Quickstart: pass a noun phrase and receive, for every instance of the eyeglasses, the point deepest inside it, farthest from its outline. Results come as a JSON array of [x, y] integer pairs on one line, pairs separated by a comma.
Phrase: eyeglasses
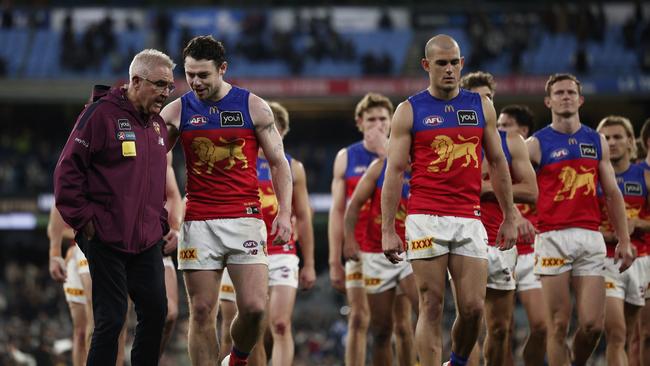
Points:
[[161, 85]]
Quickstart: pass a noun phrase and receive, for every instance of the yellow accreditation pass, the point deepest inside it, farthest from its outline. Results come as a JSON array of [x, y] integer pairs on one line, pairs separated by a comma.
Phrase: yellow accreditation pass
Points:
[[128, 148]]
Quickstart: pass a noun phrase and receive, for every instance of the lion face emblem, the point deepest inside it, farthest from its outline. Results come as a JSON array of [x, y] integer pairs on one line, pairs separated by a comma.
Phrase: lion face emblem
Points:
[[209, 153], [572, 180], [448, 151]]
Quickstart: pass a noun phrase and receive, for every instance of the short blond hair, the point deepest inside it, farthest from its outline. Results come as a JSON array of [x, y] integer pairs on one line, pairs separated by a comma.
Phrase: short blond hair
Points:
[[627, 126], [281, 116], [372, 100], [147, 59], [478, 79]]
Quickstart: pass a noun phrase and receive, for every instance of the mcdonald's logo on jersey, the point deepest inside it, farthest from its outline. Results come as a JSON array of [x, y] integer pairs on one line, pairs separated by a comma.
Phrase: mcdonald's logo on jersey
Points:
[[449, 108], [572, 141]]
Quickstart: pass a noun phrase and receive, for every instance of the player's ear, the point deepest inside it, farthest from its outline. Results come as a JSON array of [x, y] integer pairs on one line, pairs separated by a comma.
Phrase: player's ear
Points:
[[425, 64]]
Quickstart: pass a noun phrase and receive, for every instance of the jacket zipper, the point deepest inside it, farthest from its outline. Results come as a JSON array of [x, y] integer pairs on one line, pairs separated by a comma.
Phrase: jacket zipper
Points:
[[145, 196]]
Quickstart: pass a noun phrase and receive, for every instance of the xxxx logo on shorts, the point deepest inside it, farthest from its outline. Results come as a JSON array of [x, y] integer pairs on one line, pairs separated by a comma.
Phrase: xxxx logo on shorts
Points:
[[227, 288], [354, 276], [423, 243], [74, 291], [553, 262], [189, 254], [369, 281], [609, 285]]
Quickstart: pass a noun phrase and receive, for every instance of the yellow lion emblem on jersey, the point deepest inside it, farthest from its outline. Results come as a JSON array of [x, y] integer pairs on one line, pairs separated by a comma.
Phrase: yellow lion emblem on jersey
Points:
[[210, 153], [448, 151], [268, 200], [572, 180]]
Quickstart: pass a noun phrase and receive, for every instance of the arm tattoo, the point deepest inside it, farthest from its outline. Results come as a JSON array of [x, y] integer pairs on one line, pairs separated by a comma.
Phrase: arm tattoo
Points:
[[269, 127], [269, 112], [278, 148]]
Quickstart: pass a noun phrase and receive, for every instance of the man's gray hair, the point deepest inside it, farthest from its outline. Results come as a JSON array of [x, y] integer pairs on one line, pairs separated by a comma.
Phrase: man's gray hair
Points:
[[147, 59]]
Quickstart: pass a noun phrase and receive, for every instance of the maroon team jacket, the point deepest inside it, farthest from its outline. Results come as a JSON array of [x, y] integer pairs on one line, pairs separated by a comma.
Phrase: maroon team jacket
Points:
[[112, 171]]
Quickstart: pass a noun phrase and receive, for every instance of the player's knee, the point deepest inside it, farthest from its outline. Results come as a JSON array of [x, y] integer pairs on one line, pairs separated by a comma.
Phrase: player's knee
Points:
[[201, 311], [382, 334], [281, 327], [538, 329], [79, 332], [615, 337], [431, 309], [251, 310], [359, 320], [559, 327], [402, 328], [471, 311], [499, 330], [593, 328], [172, 314]]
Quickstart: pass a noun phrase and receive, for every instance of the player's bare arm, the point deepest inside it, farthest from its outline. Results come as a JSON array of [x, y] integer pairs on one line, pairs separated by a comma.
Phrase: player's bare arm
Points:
[[499, 176], [524, 188], [362, 193], [399, 147], [56, 232], [638, 224], [615, 208], [270, 141], [534, 151], [174, 208], [171, 114], [335, 222], [304, 227]]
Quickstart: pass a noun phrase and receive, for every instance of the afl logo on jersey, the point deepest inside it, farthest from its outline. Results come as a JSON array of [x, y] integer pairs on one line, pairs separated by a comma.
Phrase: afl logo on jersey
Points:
[[559, 154], [198, 120], [467, 118], [232, 119], [433, 120]]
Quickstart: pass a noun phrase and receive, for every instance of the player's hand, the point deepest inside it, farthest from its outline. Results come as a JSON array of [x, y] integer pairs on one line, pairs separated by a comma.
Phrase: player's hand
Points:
[[57, 269], [351, 248], [337, 276], [526, 230], [377, 140], [507, 235], [625, 253], [281, 228], [392, 246], [89, 230], [307, 277], [171, 241]]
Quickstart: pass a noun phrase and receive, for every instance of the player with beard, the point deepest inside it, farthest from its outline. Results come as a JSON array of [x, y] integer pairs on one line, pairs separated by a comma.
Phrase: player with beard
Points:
[[221, 127]]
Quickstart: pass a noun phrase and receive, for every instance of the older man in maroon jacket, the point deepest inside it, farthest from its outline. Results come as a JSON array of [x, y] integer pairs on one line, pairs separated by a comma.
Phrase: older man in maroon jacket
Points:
[[109, 186]]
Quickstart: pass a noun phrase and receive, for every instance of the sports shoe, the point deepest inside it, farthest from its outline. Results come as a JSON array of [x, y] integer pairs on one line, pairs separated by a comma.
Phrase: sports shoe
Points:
[[226, 361]]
